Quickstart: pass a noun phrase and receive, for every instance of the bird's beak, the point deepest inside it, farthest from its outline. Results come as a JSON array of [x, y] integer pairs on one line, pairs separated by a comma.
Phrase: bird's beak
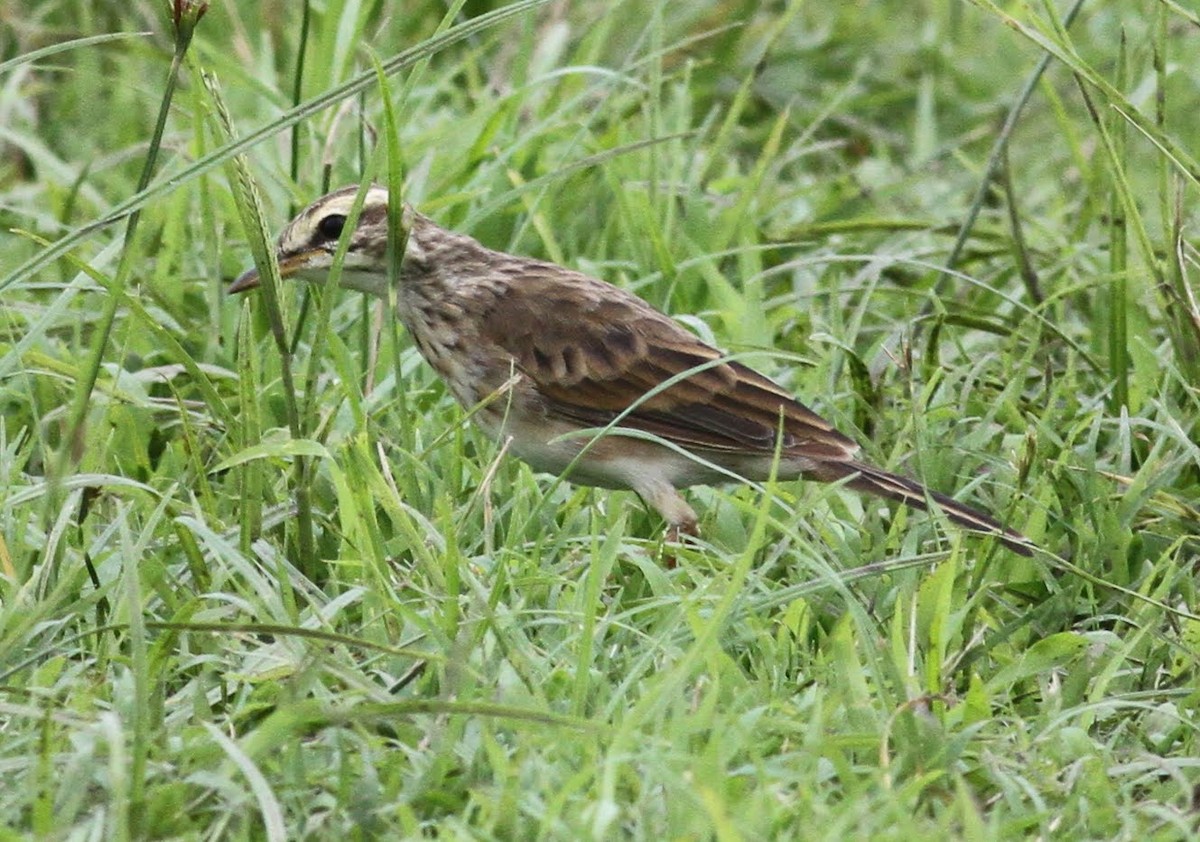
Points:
[[246, 280], [288, 266]]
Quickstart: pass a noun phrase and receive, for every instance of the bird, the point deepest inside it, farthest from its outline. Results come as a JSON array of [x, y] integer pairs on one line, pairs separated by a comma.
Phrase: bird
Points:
[[569, 353]]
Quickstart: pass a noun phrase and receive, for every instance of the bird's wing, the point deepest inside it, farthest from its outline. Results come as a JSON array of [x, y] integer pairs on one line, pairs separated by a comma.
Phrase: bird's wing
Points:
[[593, 350]]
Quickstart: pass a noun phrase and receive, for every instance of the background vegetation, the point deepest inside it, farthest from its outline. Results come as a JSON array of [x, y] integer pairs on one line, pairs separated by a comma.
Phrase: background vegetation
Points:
[[276, 586]]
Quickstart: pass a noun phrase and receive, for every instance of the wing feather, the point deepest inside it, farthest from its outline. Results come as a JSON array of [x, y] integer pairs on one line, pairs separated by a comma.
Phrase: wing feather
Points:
[[593, 350]]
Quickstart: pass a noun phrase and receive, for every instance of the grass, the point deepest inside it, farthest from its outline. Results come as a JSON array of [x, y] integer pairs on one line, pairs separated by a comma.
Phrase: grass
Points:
[[260, 578]]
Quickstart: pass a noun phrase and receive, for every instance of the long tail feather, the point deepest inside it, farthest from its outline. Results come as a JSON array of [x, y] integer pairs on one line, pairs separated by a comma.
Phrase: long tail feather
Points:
[[893, 487]]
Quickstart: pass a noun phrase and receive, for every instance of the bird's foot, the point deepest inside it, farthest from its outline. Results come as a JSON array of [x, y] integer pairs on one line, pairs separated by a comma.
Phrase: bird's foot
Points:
[[677, 535]]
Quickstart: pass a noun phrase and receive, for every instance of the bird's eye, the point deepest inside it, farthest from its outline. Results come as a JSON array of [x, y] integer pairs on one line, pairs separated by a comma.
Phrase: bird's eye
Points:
[[330, 228]]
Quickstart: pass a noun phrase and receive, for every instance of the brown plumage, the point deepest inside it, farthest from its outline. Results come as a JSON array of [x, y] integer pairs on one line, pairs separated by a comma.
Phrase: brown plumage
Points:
[[585, 353]]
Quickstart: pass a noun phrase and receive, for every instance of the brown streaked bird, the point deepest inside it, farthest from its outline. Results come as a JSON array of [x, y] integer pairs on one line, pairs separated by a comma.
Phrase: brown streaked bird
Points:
[[578, 353]]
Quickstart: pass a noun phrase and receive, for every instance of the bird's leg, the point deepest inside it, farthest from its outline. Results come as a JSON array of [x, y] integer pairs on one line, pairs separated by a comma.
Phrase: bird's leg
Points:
[[677, 532], [668, 502]]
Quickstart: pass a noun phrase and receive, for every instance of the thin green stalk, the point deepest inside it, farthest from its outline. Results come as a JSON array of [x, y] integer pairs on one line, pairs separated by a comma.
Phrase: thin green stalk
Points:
[[1183, 310], [1028, 271], [249, 475], [1118, 261], [140, 673], [297, 85], [397, 243], [184, 29], [1122, 188]]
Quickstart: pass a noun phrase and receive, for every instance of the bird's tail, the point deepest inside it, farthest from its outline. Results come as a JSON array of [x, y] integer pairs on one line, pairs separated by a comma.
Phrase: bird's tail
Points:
[[872, 480]]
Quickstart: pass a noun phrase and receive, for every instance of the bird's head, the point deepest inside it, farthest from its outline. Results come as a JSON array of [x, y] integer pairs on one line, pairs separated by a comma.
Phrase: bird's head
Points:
[[307, 244]]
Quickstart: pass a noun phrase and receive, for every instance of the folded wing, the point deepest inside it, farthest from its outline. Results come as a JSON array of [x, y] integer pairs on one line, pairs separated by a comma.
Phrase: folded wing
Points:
[[594, 351]]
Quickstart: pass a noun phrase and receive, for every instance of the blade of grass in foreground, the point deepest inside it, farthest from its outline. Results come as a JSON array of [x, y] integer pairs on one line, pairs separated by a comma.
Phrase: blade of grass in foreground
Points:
[[77, 43]]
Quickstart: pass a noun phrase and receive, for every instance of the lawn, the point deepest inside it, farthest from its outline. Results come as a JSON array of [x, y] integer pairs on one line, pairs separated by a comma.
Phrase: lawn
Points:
[[261, 577]]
